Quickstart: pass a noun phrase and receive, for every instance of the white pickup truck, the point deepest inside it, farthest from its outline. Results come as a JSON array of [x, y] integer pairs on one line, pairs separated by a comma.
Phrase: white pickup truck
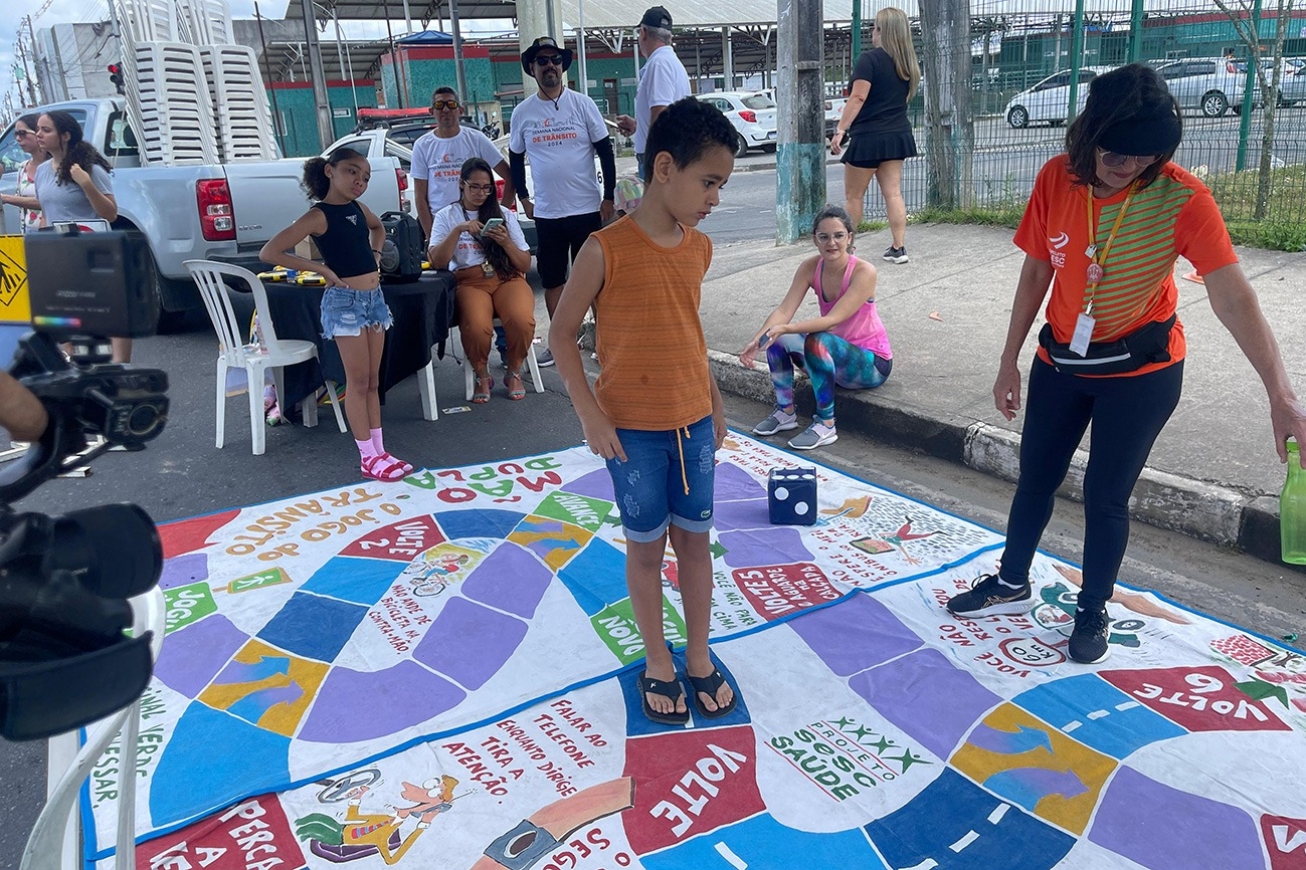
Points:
[[223, 212]]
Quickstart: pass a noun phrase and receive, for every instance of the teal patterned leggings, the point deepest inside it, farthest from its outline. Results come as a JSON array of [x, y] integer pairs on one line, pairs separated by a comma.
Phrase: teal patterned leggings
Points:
[[829, 361]]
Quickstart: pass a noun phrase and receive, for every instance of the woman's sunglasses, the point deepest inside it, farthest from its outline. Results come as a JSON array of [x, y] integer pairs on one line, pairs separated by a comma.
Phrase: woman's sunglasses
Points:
[[445, 104], [1111, 158]]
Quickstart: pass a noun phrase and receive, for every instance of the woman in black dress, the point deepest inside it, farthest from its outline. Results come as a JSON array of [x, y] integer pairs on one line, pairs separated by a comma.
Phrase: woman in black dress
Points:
[[875, 117]]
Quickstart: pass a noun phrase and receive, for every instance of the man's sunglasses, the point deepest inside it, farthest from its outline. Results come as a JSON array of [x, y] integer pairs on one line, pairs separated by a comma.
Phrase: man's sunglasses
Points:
[[445, 104], [548, 60]]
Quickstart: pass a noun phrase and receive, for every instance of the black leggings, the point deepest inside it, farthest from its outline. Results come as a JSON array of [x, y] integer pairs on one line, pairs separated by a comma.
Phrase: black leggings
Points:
[[1127, 414]]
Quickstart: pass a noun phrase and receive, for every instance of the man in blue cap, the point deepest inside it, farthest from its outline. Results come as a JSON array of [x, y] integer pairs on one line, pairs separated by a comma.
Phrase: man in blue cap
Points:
[[561, 131]]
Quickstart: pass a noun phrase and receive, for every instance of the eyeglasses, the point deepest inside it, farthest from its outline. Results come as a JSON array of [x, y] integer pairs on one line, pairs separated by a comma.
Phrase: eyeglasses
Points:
[[825, 238], [478, 188], [1111, 158], [548, 60], [445, 104]]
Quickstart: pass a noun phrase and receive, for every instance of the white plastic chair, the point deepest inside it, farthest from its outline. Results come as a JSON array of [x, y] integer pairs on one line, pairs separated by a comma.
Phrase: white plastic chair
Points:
[[53, 844], [253, 358], [469, 376]]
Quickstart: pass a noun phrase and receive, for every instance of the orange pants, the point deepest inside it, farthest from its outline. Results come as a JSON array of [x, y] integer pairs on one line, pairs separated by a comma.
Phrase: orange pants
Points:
[[481, 298]]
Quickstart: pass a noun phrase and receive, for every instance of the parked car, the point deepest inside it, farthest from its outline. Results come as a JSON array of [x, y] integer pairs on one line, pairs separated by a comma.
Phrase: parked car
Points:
[[1212, 84], [833, 112], [377, 143], [1048, 100], [1292, 80], [752, 113], [222, 212]]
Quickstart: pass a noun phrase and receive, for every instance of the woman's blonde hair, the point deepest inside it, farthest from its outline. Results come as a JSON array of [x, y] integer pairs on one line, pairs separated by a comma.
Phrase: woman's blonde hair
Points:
[[895, 38]]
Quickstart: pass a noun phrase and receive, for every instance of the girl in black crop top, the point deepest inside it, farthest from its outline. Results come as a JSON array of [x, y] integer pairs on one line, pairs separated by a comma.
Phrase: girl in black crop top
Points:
[[354, 312]]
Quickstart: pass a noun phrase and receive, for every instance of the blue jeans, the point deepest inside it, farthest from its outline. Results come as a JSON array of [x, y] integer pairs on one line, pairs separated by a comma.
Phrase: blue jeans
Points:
[[668, 477], [348, 312]]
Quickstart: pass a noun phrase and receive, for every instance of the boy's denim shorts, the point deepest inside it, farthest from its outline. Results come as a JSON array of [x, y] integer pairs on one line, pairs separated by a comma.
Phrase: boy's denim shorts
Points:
[[347, 312], [650, 485]]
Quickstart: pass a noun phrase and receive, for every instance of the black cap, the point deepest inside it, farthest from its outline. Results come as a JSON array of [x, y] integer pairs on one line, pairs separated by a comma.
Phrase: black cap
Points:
[[528, 56], [1143, 121], [657, 16]]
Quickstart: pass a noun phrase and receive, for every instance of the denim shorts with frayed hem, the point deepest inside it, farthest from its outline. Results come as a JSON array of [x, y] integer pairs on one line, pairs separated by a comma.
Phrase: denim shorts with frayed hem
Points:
[[650, 485], [349, 312]]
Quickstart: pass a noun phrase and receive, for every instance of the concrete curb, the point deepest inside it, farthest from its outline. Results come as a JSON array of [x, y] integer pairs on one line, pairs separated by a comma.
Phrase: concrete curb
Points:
[[1200, 510]]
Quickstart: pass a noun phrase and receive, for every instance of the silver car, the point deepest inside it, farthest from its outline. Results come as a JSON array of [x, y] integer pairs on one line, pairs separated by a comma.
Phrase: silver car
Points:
[[1213, 84]]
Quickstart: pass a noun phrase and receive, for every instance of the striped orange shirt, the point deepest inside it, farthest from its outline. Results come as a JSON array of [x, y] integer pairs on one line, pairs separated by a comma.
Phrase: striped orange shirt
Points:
[[1174, 215], [649, 337]]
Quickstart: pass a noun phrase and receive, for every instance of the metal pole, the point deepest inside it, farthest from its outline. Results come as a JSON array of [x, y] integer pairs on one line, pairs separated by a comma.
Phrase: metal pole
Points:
[[408, 19], [276, 112], [1136, 32], [1076, 60], [353, 89], [800, 149], [1245, 121], [396, 62], [458, 50], [857, 33], [580, 47], [325, 130]]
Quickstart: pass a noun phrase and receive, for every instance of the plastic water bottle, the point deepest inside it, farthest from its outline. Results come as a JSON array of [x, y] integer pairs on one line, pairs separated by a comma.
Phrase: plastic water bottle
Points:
[[1292, 510]]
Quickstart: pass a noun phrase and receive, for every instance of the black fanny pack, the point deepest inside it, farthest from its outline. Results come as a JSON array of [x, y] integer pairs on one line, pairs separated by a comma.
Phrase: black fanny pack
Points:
[[1147, 344]]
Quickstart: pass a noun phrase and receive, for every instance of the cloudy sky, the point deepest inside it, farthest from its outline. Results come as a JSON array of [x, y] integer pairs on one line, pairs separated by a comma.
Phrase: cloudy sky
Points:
[[13, 13]]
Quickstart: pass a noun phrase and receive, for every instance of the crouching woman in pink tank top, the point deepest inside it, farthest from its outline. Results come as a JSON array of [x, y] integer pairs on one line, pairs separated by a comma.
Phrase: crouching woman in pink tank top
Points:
[[845, 346]]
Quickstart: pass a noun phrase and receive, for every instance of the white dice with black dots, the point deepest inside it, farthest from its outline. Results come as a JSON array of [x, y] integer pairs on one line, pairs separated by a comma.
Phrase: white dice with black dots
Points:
[[791, 496]]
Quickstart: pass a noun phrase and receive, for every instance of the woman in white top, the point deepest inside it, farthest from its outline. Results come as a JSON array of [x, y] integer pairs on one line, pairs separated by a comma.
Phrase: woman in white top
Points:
[[484, 247], [29, 209]]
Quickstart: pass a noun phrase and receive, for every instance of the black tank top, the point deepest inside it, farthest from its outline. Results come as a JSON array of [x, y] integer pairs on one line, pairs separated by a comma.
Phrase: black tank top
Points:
[[346, 245]]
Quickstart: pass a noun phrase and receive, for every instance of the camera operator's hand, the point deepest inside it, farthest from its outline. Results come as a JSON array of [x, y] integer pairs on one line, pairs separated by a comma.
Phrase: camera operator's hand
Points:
[[21, 412]]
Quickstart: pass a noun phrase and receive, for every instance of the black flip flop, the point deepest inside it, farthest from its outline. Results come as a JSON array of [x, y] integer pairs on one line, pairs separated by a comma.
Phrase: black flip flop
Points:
[[667, 689], [708, 686]]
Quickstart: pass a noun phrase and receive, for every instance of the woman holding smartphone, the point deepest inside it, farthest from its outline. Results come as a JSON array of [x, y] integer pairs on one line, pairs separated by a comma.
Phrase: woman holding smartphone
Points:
[[484, 247]]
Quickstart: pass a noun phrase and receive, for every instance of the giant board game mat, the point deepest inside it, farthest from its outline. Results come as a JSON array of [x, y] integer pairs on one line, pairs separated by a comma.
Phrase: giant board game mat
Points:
[[442, 674]]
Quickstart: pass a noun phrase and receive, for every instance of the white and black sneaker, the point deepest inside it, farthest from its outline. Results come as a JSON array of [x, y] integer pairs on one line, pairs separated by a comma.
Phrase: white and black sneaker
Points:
[[990, 595], [544, 358], [1088, 642], [896, 255]]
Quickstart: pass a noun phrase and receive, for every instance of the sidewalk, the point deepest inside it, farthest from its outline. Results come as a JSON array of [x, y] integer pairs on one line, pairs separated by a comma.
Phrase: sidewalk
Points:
[[1213, 473]]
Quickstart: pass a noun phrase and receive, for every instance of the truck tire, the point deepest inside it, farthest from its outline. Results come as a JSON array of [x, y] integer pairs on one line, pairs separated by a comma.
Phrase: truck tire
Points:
[[176, 298]]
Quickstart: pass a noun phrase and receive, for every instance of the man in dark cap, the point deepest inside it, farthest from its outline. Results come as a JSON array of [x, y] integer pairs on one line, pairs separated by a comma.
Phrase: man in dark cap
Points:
[[561, 131], [662, 79]]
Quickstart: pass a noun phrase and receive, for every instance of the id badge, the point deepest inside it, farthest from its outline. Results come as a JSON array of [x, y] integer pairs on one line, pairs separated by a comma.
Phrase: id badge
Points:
[[1083, 334]]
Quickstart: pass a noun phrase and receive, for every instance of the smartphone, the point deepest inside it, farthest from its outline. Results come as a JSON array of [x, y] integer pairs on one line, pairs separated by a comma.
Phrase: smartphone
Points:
[[491, 224]]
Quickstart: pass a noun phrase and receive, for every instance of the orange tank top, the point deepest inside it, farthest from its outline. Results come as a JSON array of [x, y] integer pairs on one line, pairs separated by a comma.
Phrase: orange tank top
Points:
[[649, 338]]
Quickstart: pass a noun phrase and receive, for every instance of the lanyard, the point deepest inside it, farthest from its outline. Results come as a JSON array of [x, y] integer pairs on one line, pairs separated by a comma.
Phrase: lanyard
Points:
[[1096, 257]]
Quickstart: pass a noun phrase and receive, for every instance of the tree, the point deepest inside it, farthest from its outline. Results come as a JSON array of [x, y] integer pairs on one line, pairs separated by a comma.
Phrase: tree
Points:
[[1245, 18], [946, 73]]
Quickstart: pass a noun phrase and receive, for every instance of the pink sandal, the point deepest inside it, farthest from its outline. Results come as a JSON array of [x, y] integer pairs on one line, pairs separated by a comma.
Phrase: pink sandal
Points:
[[383, 467], [408, 468]]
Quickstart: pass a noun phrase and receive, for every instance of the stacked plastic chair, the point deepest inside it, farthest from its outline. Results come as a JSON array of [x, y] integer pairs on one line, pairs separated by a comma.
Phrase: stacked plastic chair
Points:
[[176, 113], [240, 106], [192, 96]]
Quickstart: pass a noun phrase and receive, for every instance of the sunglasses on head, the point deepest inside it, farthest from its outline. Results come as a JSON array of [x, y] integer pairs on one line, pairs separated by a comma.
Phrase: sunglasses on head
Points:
[[1111, 158], [548, 60], [444, 104]]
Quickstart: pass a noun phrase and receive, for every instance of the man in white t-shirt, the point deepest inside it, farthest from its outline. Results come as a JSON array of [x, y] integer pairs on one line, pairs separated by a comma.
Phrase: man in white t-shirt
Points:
[[662, 79], [439, 155], [561, 131]]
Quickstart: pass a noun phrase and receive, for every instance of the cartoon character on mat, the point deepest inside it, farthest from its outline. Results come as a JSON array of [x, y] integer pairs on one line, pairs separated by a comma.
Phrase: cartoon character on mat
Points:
[[433, 576], [363, 834], [876, 546], [547, 828]]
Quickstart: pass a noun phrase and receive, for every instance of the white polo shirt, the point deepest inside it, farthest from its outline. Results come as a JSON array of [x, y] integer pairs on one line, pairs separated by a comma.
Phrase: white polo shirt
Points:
[[440, 162], [662, 81], [559, 140]]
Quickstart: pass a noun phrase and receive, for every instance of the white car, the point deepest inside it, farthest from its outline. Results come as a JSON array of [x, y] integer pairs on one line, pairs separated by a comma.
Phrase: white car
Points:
[[1213, 84], [375, 143], [752, 113], [1048, 100], [833, 113]]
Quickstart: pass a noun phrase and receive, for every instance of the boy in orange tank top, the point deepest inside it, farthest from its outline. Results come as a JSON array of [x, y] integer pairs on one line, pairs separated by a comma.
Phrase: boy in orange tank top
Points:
[[658, 421]]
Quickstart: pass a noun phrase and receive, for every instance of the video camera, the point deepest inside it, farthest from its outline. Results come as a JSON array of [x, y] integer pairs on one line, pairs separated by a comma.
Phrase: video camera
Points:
[[64, 581]]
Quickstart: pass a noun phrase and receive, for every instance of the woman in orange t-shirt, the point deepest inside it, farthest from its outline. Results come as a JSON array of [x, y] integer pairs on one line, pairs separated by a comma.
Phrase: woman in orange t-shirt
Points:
[[1103, 227]]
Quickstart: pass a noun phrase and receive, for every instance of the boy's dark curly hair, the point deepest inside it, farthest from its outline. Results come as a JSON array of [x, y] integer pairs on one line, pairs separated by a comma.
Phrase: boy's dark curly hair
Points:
[[686, 129]]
